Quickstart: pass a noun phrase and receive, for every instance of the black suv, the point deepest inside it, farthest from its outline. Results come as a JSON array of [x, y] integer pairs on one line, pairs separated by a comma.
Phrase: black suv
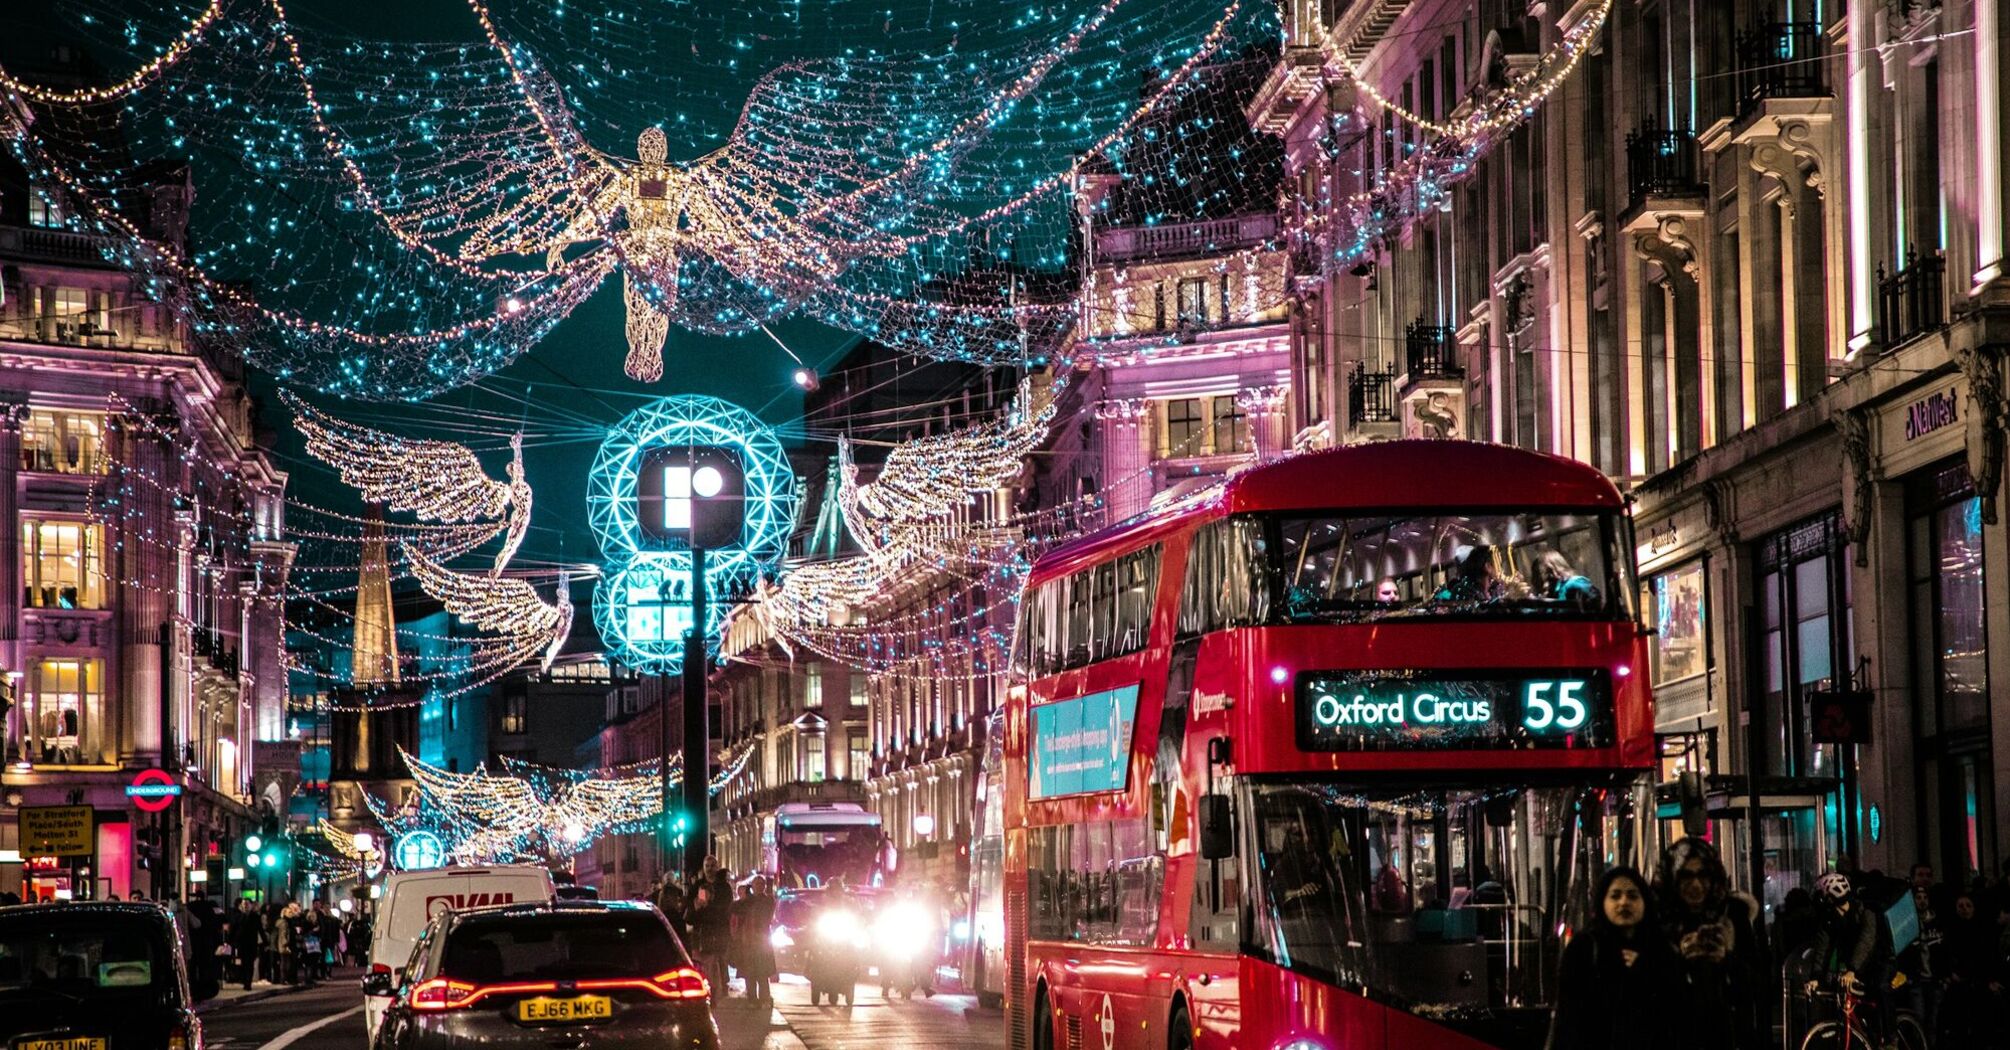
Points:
[[548, 974], [95, 976]]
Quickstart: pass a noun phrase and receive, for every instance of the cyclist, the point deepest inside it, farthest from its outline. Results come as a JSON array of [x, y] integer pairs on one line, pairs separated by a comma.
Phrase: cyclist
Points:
[[1851, 949]]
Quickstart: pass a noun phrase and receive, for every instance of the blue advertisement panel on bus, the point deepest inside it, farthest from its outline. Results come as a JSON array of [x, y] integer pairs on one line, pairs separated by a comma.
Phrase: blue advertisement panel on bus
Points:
[[1083, 745]]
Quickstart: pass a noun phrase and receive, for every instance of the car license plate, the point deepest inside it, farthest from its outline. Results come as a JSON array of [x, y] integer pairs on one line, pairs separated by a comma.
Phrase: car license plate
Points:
[[81, 1042], [584, 1008]]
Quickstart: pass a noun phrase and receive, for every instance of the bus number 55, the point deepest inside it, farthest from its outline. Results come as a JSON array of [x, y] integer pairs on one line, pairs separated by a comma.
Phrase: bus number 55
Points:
[[1565, 713]]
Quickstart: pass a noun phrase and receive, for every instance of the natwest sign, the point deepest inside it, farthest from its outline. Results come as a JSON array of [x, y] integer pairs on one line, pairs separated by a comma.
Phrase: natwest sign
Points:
[[1931, 413]]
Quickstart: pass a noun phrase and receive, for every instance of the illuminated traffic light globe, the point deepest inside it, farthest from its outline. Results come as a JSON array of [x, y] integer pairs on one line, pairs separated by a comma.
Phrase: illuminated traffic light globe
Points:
[[683, 472]]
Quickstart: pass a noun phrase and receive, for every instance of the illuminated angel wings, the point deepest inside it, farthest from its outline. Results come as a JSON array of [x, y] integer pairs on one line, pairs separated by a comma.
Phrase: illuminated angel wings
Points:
[[436, 481], [500, 604]]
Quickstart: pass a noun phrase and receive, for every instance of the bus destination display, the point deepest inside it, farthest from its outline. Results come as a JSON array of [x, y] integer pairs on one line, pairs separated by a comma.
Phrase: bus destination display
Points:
[[1404, 711]]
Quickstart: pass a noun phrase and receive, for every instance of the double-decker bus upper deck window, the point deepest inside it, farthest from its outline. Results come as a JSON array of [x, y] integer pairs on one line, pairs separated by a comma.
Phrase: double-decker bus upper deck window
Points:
[[1366, 567], [1096, 613], [1225, 583]]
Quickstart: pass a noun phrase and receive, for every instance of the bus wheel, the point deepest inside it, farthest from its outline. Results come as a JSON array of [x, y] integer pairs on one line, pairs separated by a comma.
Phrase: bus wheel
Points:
[[1180, 1036], [1043, 1022]]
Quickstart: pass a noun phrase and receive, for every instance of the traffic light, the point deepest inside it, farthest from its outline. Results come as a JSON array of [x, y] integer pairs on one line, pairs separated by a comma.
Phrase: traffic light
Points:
[[679, 826]]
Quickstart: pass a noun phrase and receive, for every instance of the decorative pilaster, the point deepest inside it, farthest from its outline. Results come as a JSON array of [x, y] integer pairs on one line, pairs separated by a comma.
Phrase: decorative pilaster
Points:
[[1988, 420], [1263, 406], [1855, 433]]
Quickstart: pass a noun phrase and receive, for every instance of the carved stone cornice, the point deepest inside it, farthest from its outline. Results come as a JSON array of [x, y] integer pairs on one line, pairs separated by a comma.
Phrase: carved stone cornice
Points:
[[1792, 156], [1668, 243], [1122, 409]]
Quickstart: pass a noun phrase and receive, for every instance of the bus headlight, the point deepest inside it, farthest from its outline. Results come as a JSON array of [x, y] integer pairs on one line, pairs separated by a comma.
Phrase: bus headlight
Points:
[[960, 931]]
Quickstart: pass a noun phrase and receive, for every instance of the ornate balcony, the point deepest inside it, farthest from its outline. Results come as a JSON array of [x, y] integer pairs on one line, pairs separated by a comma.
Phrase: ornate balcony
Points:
[[1912, 302], [1431, 351], [1371, 397], [1661, 164], [1779, 60]]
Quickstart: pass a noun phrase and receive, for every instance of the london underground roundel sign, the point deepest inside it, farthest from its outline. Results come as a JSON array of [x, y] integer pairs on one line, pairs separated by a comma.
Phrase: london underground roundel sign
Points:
[[153, 790]]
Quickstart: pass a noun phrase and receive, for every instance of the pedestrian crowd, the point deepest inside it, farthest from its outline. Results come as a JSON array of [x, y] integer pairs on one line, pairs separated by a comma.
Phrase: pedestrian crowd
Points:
[[282, 943], [724, 925], [1681, 960]]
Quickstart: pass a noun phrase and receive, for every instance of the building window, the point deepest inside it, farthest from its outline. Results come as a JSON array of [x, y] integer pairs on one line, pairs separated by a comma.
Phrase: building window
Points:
[[859, 763], [813, 687], [1193, 301], [1184, 427], [64, 719], [813, 759], [63, 442], [45, 210], [1675, 601], [1804, 643], [1950, 667], [60, 564], [1231, 427], [515, 708], [859, 696]]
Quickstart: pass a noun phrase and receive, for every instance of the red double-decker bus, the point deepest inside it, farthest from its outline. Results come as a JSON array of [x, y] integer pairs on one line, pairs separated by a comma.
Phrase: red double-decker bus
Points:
[[1327, 759]]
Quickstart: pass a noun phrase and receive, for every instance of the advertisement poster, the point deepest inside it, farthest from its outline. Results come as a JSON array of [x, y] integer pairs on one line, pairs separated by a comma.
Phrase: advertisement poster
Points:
[[1083, 745]]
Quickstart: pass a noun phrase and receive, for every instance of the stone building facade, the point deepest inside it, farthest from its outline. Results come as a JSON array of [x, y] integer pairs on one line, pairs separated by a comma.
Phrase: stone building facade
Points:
[[142, 561], [1748, 260]]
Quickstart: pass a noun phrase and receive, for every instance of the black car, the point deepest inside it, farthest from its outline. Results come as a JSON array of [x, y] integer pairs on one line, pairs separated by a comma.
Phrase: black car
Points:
[[560, 973], [95, 976]]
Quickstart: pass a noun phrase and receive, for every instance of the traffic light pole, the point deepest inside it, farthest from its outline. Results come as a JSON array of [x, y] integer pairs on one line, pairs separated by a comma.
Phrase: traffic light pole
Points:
[[697, 734]]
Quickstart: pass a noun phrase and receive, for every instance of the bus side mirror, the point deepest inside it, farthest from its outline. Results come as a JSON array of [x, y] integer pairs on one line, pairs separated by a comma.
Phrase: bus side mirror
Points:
[[1217, 828]]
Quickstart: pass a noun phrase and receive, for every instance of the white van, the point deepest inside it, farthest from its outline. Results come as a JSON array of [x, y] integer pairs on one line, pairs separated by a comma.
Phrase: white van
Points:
[[412, 898]]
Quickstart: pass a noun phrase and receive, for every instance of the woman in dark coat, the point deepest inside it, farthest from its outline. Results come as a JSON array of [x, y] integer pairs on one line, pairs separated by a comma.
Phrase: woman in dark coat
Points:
[[1710, 927], [1619, 984], [755, 953]]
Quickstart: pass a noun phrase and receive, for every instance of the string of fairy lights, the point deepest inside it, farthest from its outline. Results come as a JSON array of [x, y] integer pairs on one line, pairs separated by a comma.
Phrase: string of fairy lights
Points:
[[386, 220]]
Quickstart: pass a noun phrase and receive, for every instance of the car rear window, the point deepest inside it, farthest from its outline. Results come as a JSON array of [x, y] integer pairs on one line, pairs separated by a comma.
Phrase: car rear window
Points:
[[82, 956], [494, 948]]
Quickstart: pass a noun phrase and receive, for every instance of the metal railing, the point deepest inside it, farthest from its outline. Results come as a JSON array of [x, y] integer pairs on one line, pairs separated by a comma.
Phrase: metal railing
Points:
[[1431, 352], [1661, 164], [1912, 301], [1371, 397], [1780, 60]]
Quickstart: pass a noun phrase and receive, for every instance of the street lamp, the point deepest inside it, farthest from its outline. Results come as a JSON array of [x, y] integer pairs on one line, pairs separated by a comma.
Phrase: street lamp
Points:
[[924, 825]]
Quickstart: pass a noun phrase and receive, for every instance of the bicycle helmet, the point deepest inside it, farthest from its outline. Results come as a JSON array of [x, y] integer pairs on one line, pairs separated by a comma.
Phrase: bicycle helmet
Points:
[[1833, 886]]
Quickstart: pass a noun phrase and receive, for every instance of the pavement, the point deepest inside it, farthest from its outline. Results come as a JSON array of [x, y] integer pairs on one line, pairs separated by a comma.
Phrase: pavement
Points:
[[329, 1016]]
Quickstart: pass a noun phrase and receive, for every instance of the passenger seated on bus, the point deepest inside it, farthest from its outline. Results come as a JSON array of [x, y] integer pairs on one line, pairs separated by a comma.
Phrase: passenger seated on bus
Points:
[[1392, 893], [1556, 580], [1476, 578], [1388, 592]]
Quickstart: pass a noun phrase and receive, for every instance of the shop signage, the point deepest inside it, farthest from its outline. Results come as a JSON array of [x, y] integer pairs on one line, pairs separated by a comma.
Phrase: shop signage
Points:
[[65, 831], [1840, 717], [153, 790], [1930, 414]]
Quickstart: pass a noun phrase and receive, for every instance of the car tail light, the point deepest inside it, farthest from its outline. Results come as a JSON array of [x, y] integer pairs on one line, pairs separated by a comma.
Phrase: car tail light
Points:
[[442, 993], [179, 1039], [681, 983]]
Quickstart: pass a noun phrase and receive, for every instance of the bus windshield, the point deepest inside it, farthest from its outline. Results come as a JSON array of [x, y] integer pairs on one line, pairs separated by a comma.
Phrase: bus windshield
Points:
[[1446, 901], [1367, 567], [826, 854]]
